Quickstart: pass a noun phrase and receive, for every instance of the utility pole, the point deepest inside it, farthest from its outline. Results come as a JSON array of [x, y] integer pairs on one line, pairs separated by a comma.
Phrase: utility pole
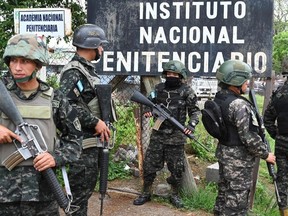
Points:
[[91, 8]]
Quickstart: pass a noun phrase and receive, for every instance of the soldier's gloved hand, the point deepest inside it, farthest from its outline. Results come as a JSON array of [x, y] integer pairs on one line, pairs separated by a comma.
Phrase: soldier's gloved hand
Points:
[[148, 114]]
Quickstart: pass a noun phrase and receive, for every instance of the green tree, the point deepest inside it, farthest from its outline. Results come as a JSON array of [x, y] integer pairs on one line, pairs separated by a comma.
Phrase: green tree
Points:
[[7, 16], [280, 16], [280, 49], [280, 52]]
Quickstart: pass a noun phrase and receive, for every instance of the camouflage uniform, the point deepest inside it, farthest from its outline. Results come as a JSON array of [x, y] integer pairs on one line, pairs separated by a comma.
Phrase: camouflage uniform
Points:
[[277, 112], [167, 144], [83, 174], [24, 191], [236, 157]]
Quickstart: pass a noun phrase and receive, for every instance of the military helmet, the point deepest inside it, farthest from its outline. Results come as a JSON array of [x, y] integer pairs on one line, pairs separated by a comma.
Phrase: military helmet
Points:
[[28, 46], [234, 72], [175, 67], [89, 36]]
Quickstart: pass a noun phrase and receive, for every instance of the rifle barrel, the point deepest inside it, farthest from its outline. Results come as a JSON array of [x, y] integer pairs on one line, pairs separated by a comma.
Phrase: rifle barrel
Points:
[[269, 165], [140, 98], [8, 106]]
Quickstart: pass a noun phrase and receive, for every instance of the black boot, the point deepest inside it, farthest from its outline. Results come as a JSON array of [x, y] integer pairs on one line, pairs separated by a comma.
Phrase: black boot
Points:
[[176, 201], [175, 198], [145, 196]]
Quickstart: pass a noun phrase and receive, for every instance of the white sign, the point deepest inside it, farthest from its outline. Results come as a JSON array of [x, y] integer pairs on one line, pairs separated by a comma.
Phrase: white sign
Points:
[[53, 22]]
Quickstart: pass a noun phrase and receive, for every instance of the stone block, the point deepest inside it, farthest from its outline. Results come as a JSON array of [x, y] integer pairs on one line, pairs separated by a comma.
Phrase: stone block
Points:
[[212, 173]]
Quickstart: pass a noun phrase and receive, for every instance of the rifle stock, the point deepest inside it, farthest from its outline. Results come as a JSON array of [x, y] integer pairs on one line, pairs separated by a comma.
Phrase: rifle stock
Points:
[[270, 166], [8, 107], [104, 98], [159, 111]]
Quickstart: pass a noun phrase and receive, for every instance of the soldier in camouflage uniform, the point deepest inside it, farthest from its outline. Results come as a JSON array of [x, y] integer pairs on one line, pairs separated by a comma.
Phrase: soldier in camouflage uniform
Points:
[[167, 144], [77, 82], [237, 152], [23, 190], [276, 123]]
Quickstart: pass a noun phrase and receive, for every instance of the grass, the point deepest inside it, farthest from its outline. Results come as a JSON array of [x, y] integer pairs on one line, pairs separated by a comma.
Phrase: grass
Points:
[[204, 198]]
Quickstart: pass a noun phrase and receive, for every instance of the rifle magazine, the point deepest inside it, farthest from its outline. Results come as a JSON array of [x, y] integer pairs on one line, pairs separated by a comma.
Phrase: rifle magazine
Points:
[[157, 124], [13, 160]]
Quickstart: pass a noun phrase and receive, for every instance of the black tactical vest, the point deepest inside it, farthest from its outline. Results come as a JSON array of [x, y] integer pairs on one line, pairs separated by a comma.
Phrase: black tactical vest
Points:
[[224, 100], [281, 106], [174, 100]]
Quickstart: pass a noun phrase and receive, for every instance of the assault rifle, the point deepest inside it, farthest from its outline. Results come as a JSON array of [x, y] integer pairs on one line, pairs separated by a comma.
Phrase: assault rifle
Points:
[[270, 166], [32, 145], [104, 99], [162, 114]]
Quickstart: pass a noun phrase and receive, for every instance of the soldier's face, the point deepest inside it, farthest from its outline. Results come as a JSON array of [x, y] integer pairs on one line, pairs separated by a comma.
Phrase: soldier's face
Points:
[[172, 74], [98, 52], [21, 67], [244, 87]]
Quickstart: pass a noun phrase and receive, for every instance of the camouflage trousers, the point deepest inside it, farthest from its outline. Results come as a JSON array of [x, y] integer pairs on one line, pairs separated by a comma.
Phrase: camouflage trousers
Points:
[[83, 177], [233, 190], [282, 175], [48, 208], [159, 152]]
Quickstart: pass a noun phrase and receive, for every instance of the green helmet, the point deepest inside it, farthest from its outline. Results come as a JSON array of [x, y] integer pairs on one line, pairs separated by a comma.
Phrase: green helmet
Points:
[[176, 67], [28, 46], [234, 72]]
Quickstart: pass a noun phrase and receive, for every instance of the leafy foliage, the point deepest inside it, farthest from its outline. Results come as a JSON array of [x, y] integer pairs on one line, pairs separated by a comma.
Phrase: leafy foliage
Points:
[[7, 16], [53, 81], [125, 125], [117, 170], [280, 50], [203, 137]]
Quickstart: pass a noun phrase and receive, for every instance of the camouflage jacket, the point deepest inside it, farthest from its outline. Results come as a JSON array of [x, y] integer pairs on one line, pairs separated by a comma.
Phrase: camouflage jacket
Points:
[[276, 116], [242, 115], [68, 83], [25, 183]]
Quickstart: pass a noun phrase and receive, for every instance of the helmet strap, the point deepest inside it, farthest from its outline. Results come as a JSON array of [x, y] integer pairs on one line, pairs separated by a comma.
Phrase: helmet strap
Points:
[[26, 79], [241, 91]]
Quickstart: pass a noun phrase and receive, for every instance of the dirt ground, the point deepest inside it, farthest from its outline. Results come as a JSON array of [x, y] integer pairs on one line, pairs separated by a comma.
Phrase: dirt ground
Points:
[[121, 194]]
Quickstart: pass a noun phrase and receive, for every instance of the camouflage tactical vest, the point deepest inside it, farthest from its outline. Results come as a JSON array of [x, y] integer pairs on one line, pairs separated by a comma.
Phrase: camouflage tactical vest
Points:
[[38, 112], [93, 80], [280, 102]]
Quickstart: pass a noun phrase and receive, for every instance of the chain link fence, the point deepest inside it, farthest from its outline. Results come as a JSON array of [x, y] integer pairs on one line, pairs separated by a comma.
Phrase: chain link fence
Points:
[[129, 123]]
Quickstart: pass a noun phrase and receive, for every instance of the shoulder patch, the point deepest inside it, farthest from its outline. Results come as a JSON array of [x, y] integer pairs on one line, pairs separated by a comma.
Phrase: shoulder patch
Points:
[[77, 124], [55, 103]]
